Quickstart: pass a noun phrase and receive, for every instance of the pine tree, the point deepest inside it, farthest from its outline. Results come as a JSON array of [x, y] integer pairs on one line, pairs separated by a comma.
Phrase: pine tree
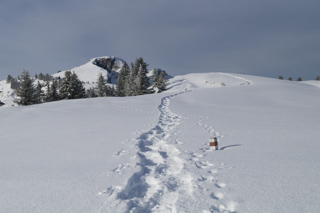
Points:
[[130, 85], [39, 93], [121, 89], [71, 87], [299, 79], [162, 81], [14, 84], [159, 81], [110, 91], [9, 79], [317, 78], [91, 93], [26, 93], [40, 76], [52, 92], [48, 93], [155, 79], [290, 79], [142, 80], [280, 77], [54, 95], [101, 86]]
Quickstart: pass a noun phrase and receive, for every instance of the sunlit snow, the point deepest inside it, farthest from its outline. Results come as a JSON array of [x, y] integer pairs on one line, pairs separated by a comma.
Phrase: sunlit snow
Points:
[[151, 153]]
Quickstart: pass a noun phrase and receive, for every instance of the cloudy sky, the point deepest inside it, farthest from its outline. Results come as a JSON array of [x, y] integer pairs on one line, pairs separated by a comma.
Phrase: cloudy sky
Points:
[[266, 38]]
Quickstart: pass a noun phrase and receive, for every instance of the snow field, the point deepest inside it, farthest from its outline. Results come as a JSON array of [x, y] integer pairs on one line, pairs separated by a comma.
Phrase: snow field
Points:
[[151, 154]]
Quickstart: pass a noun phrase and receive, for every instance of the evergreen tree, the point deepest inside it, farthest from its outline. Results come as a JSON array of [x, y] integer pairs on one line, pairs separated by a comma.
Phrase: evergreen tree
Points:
[[290, 79], [317, 78], [162, 81], [159, 81], [101, 86], [54, 95], [142, 80], [48, 93], [130, 85], [52, 92], [91, 93], [47, 77], [110, 91], [280, 77], [299, 79], [155, 78], [26, 93], [71, 87], [122, 81], [40, 76], [9, 79], [14, 84], [39, 93]]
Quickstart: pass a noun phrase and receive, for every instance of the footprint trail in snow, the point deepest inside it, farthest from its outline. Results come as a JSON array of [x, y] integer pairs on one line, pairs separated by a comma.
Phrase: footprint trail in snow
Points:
[[164, 182]]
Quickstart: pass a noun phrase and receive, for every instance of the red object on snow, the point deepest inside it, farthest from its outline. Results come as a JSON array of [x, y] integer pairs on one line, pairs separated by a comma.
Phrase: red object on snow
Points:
[[213, 143]]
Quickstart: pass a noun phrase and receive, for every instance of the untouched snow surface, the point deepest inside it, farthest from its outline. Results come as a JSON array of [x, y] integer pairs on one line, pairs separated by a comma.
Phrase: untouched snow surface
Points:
[[150, 153]]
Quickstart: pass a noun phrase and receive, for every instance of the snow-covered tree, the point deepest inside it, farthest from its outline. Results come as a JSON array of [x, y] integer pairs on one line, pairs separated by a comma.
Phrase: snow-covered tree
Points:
[[39, 93], [142, 80], [26, 92], [110, 91], [14, 84], [71, 87], [52, 92], [121, 89], [130, 85], [91, 92], [162, 81], [101, 86], [159, 81]]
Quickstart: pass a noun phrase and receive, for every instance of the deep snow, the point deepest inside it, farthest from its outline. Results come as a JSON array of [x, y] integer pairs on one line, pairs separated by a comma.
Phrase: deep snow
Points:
[[150, 153]]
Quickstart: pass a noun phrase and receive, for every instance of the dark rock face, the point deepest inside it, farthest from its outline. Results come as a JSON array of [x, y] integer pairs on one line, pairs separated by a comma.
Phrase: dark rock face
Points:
[[109, 64], [106, 63], [1, 103]]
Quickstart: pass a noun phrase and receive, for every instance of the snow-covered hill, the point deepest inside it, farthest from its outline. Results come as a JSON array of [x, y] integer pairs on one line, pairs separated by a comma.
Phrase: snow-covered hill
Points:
[[108, 66], [151, 154]]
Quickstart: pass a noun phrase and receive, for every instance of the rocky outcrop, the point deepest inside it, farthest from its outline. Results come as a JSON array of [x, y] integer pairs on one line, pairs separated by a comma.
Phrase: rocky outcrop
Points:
[[112, 65]]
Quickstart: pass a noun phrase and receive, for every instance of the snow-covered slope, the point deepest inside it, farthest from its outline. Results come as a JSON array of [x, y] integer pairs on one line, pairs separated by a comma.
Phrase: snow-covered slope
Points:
[[6, 93], [90, 71], [313, 83], [150, 153]]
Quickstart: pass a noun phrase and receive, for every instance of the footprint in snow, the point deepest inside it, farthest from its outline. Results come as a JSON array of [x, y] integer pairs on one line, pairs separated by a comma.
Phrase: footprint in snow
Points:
[[220, 185], [217, 195]]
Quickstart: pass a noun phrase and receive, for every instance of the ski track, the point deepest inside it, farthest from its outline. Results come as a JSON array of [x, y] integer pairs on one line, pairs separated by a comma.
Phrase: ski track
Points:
[[164, 182]]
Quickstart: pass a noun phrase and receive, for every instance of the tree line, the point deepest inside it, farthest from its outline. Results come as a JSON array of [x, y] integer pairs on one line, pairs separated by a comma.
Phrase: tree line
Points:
[[298, 79], [132, 81]]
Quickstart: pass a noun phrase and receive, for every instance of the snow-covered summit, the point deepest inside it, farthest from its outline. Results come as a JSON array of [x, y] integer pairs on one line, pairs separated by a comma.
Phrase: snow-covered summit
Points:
[[108, 66]]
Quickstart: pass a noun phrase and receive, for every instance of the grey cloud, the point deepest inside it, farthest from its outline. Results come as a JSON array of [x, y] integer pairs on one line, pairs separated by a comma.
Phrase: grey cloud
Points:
[[267, 38]]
